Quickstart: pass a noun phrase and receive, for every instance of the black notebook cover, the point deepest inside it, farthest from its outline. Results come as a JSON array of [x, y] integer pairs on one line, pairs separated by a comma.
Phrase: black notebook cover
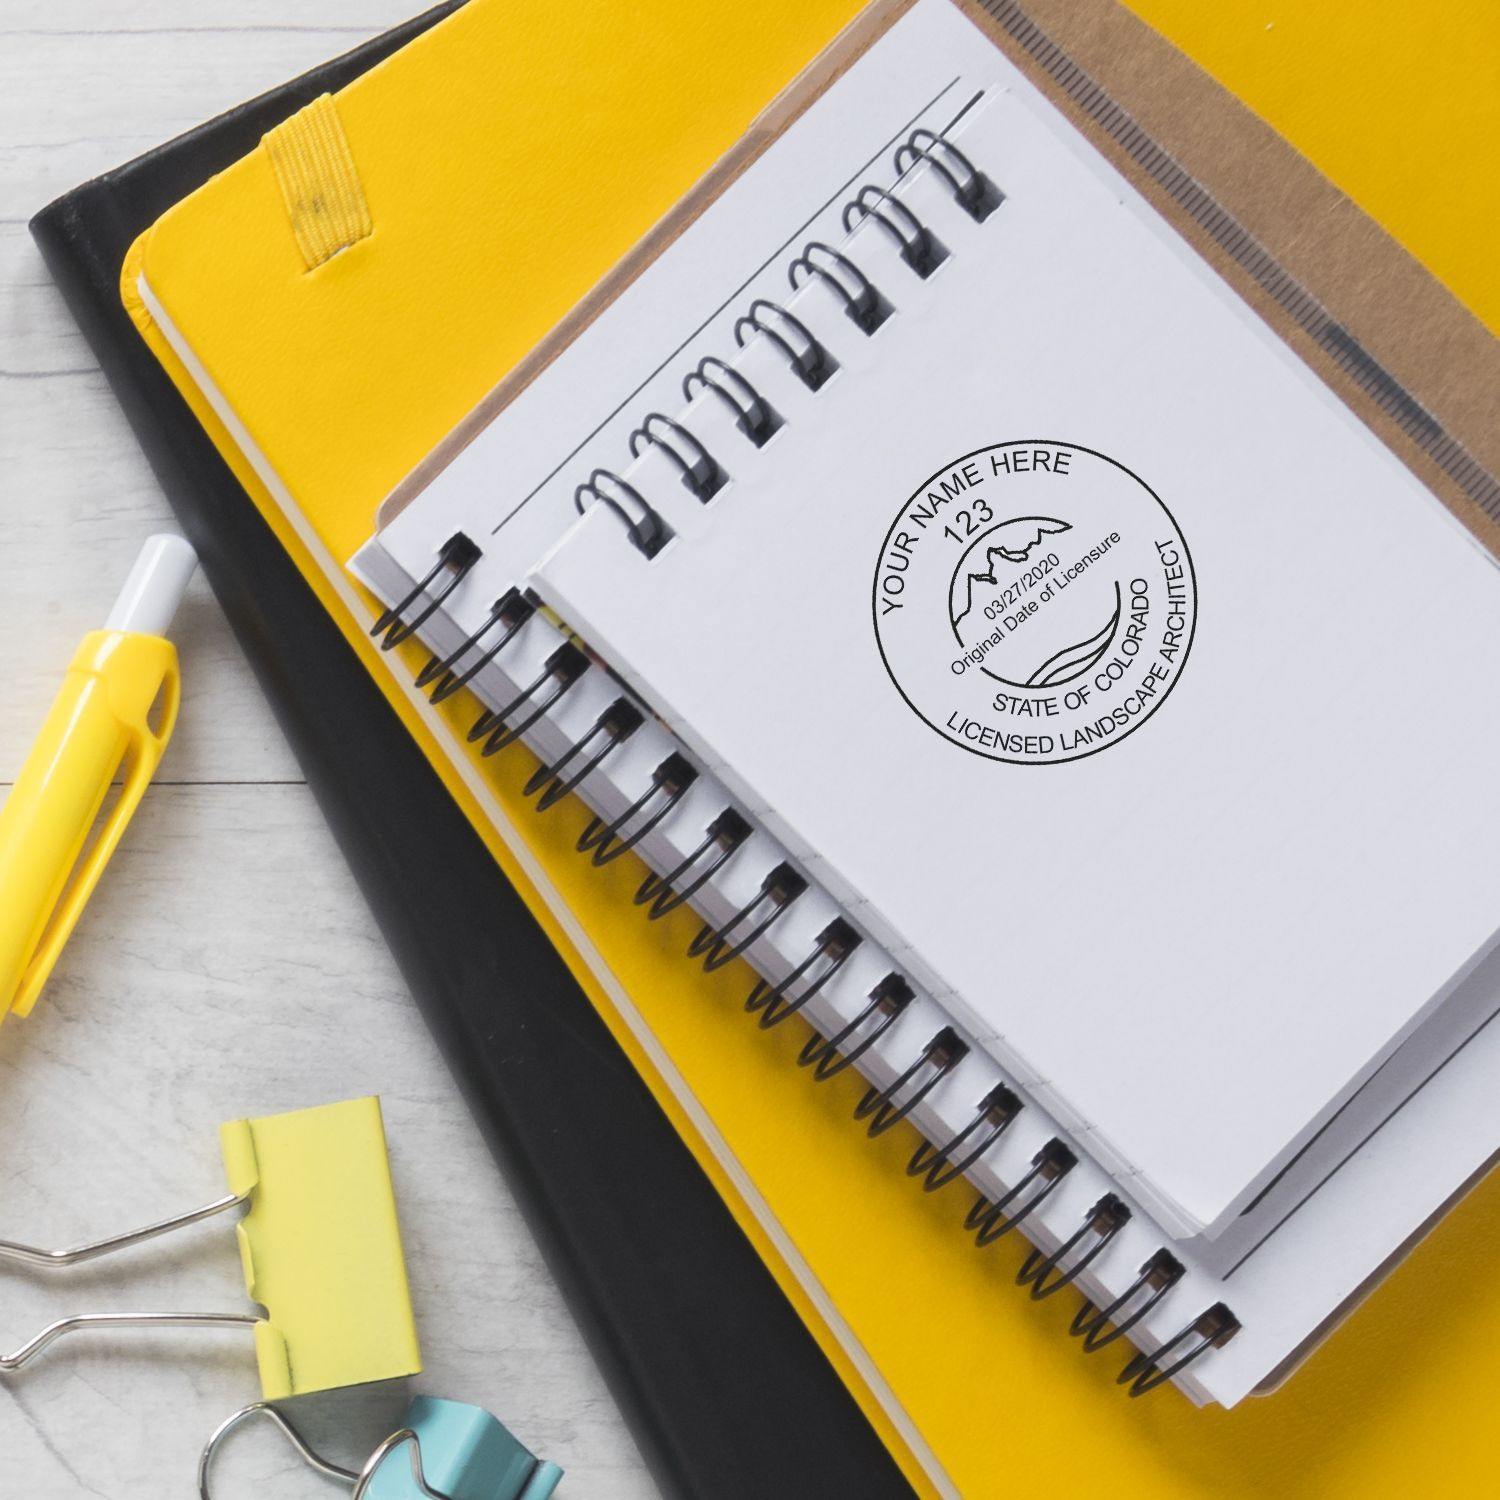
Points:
[[726, 1391]]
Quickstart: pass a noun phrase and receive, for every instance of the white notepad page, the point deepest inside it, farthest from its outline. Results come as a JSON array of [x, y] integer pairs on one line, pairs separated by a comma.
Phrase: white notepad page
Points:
[[1199, 936]]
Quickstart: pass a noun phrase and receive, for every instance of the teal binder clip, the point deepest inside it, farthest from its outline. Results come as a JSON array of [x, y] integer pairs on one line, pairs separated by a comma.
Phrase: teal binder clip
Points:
[[444, 1450]]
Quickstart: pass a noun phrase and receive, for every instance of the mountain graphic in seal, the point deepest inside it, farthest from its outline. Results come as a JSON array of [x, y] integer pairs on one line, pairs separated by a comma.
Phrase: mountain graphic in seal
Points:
[[1010, 542]]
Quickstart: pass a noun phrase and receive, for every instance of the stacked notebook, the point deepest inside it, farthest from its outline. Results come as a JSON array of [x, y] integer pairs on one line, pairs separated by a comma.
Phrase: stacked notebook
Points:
[[999, 650], [956, 596]]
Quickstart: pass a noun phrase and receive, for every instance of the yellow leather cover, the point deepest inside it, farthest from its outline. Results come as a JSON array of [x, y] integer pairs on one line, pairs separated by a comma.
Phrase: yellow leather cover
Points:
[[392, 340]]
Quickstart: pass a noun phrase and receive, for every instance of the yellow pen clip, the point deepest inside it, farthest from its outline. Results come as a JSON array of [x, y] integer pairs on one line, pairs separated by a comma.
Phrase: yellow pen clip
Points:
[[100, 726]]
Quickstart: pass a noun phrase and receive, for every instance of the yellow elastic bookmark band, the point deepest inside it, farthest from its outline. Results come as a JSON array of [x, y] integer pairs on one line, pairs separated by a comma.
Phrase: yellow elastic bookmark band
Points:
[[314, 168], [321, 1248]]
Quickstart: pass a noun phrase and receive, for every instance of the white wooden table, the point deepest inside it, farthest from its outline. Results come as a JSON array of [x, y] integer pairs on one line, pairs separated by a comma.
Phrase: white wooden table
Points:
[[227, 965]]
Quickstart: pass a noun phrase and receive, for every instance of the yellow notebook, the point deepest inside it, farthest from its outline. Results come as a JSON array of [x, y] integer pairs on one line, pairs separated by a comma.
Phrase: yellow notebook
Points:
[[975, 1389]]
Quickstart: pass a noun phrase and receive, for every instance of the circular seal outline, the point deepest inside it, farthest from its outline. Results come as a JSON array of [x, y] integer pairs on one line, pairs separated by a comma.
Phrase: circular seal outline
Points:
[[1008, 760]]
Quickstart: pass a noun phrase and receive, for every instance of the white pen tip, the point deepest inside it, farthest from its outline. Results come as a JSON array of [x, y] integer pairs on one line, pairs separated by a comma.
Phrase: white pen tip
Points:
[[155, 587]]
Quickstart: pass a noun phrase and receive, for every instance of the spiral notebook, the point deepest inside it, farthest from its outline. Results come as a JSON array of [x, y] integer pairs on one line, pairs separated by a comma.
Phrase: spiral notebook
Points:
[[910, 150], [990, 628]]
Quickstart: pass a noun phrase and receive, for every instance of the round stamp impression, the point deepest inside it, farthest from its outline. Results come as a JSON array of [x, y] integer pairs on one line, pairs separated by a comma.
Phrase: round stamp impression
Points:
[[1034, 602]]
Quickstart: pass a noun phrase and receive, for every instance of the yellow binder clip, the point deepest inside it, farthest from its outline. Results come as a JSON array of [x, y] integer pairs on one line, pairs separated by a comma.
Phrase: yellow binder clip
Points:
[[320, 1245]]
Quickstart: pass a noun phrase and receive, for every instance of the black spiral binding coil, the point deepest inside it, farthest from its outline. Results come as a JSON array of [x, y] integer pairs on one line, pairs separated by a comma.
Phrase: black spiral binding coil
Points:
[[972, 190], [886, 1108], [700, 472], [722, 840], [722, 944], [772, 1001], [560, 671], [454, 559], [509, 612], [863, 304], [643, 524], [809, 359], [829, 1056], [603, 842], [703, 475], [1100, 1327], [586, 754], [993, 1219], [917, 245], [811, 362], [752, 413], [1046, 1274], [1211, 1329], [940, 1165]]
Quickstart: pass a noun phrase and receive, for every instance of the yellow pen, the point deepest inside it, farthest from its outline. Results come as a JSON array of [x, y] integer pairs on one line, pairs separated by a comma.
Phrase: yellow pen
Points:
[[113, 717]]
